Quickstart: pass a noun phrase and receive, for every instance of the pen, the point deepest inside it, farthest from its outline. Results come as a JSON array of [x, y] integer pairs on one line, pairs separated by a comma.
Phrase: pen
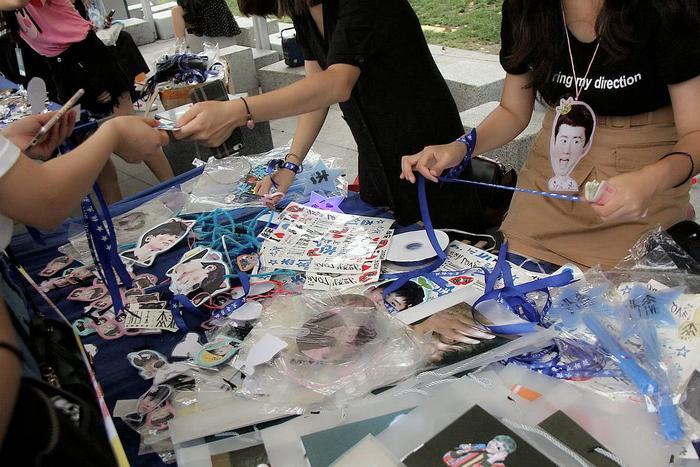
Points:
[[56, 117]]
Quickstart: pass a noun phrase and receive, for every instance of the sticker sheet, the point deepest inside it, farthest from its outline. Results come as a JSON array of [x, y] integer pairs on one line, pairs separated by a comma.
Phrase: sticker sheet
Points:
[[334, 249]]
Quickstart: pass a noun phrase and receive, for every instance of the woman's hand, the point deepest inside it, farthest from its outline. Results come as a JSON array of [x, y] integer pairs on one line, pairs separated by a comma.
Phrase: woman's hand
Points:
[[453, 328], [633, 195], [211, 123], [432, 160], [135, 138], [283, 178], [21, 133]]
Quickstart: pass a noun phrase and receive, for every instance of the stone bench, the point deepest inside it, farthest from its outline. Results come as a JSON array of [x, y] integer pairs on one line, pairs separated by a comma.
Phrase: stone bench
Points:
[[196, 43], [472, 80], [514, 153], [247, 35], [164, 24], [143, 32], [136, 10], [278, 75], [243, 74], [263, 57]]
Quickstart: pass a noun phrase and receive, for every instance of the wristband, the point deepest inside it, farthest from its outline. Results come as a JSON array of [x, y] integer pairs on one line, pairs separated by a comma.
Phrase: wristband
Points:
[[692, 165], [276, 164], [469, 140]]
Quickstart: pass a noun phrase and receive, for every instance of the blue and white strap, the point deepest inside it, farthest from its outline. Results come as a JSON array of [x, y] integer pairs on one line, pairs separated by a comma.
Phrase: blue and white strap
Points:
[[104, 249], [469, 140]]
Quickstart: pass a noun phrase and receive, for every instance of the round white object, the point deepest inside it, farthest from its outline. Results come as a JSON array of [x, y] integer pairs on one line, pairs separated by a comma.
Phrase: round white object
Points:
[[248, 312], [414, 246]]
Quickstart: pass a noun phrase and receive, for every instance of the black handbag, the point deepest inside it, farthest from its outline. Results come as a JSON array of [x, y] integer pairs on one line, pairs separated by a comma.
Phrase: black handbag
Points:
[[56, 420], [494, 201], [293, 55]]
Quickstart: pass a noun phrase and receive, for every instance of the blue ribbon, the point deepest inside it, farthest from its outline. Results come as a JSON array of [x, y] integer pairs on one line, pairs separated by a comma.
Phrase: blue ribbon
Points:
[[547, 194], [515, 296]]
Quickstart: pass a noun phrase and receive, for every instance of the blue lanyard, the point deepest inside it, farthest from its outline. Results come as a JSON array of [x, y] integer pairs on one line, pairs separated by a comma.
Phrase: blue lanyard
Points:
[[103, 247]]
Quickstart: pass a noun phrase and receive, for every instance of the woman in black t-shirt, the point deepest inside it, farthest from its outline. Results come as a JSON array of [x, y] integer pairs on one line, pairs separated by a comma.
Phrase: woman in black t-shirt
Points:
[[621, 80]]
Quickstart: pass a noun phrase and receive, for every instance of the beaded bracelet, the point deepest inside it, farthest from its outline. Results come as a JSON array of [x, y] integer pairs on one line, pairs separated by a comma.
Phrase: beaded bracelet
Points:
[[692, 165], [469, 140]]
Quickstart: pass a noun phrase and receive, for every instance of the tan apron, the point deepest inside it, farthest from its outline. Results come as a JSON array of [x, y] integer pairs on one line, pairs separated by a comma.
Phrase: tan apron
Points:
[[563, 231]]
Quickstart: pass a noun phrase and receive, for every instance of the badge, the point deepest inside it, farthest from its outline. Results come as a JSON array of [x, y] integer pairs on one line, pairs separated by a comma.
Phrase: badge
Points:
[[572, 136], [90, 293], [55, 265], [217, 352], [148, 362]]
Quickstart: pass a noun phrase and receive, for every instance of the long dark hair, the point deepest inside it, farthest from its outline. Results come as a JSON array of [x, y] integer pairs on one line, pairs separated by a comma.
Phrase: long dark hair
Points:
[[538, 31], [277, 8]]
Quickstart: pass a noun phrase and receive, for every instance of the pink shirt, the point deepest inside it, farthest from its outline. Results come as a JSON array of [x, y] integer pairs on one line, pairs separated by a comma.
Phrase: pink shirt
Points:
[[51, 26]]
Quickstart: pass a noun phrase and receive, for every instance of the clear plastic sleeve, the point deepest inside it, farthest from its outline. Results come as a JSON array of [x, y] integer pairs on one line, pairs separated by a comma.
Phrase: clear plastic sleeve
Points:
[[338, 348], [228, 183]]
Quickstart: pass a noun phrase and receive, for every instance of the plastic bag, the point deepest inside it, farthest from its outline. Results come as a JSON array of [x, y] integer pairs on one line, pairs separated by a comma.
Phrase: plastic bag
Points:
[[128, 226], [228, 183], [338, 348]]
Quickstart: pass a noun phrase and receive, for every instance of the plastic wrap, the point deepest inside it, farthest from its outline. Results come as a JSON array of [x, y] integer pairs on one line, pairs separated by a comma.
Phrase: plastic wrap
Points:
[[229, 183], [128, 226], [337, 348]]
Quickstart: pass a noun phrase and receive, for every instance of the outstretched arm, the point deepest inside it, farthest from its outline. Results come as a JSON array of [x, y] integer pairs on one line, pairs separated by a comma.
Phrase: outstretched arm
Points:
[[500, 127]]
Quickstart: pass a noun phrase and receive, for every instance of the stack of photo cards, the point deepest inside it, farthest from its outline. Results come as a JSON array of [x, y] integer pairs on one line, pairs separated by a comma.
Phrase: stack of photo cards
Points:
[[335, 250], [476, 439]]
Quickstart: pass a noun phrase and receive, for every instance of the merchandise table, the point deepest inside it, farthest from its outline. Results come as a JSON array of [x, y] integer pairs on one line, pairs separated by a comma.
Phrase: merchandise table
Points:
[[118, 378]]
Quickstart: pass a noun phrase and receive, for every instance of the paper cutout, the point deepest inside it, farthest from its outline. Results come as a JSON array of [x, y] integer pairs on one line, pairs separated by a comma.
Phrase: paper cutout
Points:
[[157, 240], [148, 362], [217, 352], [200, 275], [261, 352], [36, 94], [150, 316], [321, 178], [108, 327], [144, 281], [189, 347], [56, 265], [248, 312], [572, 136], [332, 204], [159, 418], [88, 294]]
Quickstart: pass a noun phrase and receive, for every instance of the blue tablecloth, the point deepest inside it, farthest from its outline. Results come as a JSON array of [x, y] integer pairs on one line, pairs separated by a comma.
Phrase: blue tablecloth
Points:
[[119, 380]]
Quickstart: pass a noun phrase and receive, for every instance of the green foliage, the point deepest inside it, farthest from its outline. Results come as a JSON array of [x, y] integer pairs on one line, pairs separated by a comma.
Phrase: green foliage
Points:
[[465, 24]]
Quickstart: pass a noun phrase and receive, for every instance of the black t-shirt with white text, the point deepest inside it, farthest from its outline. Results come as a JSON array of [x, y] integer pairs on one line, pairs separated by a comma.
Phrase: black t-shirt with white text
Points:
[[661, 55]]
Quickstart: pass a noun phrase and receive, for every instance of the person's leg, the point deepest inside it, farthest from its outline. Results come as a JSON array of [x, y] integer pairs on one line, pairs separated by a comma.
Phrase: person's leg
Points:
[[159, 165], [179, 27], [108, 181]]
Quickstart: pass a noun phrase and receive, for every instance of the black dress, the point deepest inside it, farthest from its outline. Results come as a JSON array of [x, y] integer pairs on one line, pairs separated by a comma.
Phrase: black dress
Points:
[[399, 105]]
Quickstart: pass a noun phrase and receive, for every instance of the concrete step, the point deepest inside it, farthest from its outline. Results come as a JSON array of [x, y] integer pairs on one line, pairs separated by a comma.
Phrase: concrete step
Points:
[[514, 153], [136, 10], [247, 35], [263, 57], [143, 32]]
